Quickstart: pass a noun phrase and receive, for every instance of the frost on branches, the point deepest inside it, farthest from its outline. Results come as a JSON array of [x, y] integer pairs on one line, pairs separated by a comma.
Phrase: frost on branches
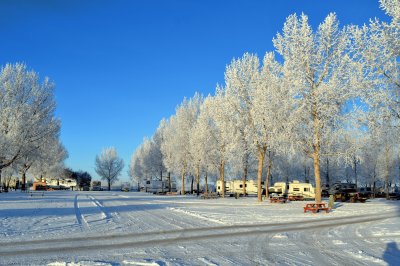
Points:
[[332, 98], [109, 165], [28, 127]]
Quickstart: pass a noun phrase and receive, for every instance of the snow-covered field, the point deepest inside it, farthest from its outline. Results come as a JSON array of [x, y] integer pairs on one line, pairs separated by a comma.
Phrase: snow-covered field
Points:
[[117, 228]]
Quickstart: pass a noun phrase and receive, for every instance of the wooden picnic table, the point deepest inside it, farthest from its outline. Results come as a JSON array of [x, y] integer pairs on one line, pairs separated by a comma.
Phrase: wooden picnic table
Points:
[[277, 200], [316, 207], [296, 198], [36, 193], [209, 196]]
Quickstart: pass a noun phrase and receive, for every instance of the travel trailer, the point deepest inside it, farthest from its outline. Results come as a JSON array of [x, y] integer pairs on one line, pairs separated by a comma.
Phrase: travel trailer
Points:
[[233, 187], [293, 189], [279, 188], [305, 190], [159, 186]]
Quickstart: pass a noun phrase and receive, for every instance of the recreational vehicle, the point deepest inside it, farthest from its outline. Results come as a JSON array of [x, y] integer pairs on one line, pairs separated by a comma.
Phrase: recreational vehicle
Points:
[[233, 187], [305, 190], [279, 188], [159, 186], [293, 189]]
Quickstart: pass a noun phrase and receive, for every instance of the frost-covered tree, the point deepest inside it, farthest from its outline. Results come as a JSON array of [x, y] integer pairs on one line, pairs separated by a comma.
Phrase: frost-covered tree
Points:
[[242, 161], [258, 98], [109, 165], [52, 162], [323, 79], [156, 153], [26, 113], [47, 161], [198, 148], [8, 174], [205, 142], [176, 137], [135, 170], [377, 47], [220, 128], [147, 161], [384, 129]]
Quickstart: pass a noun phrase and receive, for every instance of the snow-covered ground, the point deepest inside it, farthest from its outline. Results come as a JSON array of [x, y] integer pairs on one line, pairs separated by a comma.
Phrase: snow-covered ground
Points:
[[117, 228]]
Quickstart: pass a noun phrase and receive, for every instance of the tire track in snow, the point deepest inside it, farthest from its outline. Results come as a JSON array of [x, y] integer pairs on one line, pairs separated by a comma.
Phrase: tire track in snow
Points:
[[178, 224], [106, 215], [124, 241], [81, 220], [346, 220]]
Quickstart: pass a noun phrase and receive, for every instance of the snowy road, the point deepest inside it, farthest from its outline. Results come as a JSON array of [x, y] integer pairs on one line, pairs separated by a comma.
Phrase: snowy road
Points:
[[115, 228]]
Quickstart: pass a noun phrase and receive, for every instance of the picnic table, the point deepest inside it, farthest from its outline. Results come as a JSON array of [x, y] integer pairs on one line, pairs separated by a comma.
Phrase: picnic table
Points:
[[316, 207], [277, 200], [209, 196], [36, 193], [295, 198]]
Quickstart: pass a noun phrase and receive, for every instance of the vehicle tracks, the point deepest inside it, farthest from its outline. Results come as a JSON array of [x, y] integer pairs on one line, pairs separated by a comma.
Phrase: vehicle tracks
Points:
[[165, 238], [80, 219]]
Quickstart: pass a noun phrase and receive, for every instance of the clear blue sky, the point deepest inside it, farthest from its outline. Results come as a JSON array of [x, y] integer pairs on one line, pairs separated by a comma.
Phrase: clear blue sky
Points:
[[121, 66]]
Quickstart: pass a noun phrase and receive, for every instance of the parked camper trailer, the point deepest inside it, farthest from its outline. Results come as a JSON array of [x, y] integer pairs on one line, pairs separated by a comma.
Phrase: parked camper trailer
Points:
[[159, 186], [305, 190], [235, 187], [293, 189], [280, 188]]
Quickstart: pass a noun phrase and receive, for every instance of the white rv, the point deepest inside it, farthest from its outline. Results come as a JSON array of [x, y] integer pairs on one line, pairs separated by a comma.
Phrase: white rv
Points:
[[233, 187], [305, 190], [295, 188], [159, 186], [279, 188]]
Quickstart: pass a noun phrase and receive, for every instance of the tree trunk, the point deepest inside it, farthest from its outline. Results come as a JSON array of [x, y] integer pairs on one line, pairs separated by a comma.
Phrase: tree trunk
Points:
[[198, 180], [222, 176], [387, 171], [0, 179], [162, 183], [327, 172], [23, 183], [206, 179], [317, 177], [191, 186], [268, 174], [355, 172], [305, 173], [169, 181], [374, 182], [261, 157], [244, 179], [183, 178], [316, 153], [286, 176], [109, 184]]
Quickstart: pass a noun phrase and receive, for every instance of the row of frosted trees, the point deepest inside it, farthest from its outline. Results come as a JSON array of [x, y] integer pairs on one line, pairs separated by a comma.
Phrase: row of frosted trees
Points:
[[29, 130], [326, 99]]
